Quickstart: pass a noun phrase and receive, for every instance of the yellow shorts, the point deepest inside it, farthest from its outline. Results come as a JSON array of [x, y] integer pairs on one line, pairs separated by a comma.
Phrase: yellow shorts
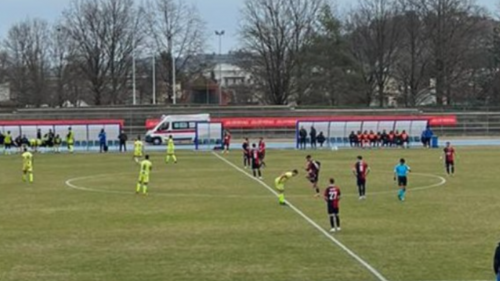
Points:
[[170, 152], [28, 169], [279, 186], [138, 154], [144, 179]]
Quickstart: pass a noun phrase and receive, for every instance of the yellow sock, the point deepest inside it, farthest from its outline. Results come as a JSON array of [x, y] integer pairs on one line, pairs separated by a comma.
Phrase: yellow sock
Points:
[[24, 177], [175, 158], [167, 159], [138, 189], [144, 189], [31, 177], [281, 197]]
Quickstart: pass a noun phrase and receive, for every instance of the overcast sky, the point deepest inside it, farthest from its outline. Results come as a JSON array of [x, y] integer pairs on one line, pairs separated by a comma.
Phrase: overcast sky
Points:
[[219, 15]]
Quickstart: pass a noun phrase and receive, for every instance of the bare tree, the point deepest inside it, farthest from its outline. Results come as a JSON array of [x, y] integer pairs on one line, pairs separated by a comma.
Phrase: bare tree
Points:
[[331, 68], [375, 34], [178, 33], [3, 66], [27, 48], [274, 34], [104, 34], [451, 26], [413, 58]]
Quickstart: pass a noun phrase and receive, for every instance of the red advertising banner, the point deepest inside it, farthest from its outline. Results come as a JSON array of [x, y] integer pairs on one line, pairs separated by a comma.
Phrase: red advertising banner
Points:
[[291, 122]]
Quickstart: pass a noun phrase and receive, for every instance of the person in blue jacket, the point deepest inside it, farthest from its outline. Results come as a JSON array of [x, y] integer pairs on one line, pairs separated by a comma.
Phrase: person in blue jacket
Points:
[[427, 135], [102, 141]]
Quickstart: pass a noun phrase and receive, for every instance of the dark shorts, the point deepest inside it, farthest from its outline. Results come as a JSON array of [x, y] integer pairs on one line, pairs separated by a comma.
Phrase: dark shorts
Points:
[[449, 163], [255, 166], [226, 144], [8, 146], [262, 155], [313, 178], [402, 181], [361, 181], [332, 210]]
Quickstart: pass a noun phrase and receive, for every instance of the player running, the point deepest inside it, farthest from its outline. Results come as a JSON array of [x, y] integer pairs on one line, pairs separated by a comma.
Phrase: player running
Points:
[[332, 197], [246, 153], [361, 171], [27, 165], [313, 168], [142, 184], [279, 184], [170, 150], [138, 149], [262, 151], [449, 159], [256, 162], [401, 174]]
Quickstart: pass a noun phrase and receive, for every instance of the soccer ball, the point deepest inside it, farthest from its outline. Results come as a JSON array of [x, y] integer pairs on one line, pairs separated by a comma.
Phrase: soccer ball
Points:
[[335, 148]]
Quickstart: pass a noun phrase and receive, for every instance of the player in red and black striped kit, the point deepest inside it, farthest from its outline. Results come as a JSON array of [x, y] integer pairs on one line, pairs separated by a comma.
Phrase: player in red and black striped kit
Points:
[[256, 162], [246, 153], [226, 141], [449, 159], [361, 171], [262, 151], [313, 168], [332, 197]]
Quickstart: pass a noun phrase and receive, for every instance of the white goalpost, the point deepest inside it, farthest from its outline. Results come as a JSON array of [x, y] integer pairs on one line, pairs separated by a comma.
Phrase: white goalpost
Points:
[[208, 135]]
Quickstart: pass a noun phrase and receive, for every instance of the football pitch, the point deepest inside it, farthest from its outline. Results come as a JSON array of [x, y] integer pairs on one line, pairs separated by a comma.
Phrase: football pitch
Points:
[[206, 219]]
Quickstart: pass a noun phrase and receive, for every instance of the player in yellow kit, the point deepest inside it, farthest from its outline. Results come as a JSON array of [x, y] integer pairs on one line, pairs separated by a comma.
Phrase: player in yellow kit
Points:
[[170, 150], [279, 183], [7, 142], [146, 167], [70, 140], [138, 149], [27, 165]]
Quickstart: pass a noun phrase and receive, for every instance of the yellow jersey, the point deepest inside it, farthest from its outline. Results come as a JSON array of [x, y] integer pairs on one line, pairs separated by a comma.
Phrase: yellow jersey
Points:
[[27, 159], [146, 167], [8, 139], [170, 146], [285, 177], [138, 147], [70, 137]]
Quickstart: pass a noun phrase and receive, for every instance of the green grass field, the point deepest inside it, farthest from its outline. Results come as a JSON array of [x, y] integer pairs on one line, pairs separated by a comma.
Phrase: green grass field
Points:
[[205, 220]]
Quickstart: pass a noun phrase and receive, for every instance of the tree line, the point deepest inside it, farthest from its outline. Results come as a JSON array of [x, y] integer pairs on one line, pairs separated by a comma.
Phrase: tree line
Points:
[[381, 52]]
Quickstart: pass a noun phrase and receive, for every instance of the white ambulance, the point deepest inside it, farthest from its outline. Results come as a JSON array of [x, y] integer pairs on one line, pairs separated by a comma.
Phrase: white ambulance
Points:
[[182, 128]]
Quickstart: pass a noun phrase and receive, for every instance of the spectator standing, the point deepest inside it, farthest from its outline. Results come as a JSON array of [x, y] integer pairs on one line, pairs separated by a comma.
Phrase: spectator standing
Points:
[[321, 139], [496, 262], [428, 134], [102, 142], [123, 138], [313, 135], [302, 138]]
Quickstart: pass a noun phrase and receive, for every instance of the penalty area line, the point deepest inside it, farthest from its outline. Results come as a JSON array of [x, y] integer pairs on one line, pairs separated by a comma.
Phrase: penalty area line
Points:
[[370, 268]]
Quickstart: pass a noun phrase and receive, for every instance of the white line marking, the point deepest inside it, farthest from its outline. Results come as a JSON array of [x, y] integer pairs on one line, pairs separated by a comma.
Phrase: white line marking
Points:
[[441, 182], [71, 183], [310, 221]]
